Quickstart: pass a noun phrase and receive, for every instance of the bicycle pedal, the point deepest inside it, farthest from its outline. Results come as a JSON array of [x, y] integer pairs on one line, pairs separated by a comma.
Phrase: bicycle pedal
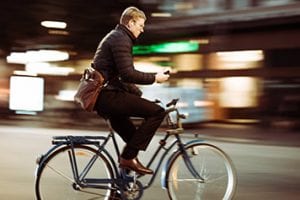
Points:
[[125, 174]]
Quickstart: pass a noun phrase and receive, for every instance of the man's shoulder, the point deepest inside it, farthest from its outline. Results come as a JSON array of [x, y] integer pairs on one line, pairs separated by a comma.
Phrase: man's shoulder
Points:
[[117, 36]]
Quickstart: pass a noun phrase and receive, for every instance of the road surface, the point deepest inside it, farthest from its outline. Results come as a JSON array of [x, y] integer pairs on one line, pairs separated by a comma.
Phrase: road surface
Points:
[[264, 171]]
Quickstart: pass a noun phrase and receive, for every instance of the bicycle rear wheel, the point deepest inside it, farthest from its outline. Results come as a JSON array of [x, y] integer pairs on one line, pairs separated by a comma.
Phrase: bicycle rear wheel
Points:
[[55, 178], [212, 164]]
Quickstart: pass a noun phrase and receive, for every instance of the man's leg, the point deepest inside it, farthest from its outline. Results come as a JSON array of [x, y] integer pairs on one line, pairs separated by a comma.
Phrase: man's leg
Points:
[[125, 128], [118, 104], [147, 129]]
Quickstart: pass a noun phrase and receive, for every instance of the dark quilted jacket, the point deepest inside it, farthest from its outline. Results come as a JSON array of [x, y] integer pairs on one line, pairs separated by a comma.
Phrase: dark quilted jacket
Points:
[[114, 59]]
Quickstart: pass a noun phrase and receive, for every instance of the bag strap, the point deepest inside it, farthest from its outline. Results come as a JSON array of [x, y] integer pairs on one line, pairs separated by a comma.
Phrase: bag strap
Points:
[[109, 80]]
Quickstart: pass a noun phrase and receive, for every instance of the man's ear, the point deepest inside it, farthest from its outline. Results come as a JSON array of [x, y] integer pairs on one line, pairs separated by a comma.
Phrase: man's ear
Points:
[[130, 23]]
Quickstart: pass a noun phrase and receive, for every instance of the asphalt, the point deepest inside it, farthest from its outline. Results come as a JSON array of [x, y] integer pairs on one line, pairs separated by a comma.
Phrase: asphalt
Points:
[[262, 169], [280, 135]]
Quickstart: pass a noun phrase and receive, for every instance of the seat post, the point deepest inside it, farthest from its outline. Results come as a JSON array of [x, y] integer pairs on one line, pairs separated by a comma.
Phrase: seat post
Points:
[[109, 126]]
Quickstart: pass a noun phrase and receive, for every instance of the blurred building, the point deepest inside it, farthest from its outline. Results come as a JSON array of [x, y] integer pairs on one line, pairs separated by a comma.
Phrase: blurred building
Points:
[[233, 61]]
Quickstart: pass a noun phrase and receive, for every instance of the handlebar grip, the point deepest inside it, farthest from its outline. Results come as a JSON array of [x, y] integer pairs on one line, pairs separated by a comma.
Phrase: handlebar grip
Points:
[[173, 102], [157, 101], [167, 72]]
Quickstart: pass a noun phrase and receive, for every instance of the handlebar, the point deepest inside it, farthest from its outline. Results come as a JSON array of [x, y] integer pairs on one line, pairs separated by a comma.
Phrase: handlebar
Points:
[[172, 108], [167, 72], [172, 103]]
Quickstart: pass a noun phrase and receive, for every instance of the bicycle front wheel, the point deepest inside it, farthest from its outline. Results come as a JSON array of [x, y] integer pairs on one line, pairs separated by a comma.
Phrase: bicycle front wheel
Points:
[[55, 176], [218, 175]]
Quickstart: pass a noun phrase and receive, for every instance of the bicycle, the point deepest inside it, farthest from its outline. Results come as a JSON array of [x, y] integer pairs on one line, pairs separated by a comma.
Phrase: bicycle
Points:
[[81, 167]]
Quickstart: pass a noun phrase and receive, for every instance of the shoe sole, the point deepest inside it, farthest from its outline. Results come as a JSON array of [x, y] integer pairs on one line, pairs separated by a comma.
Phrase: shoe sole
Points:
[[129, 168]]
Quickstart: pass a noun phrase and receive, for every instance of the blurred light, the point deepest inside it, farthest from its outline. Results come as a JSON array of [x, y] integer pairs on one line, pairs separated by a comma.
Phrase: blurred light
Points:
[[26, 93], [241, 56], [24, 112], [182, 105], [54, 24], [66, 95], [24, 73], [167, 47], [184, 6], [203, 103], [47, 55], [188, 61], [16, 57], [58, 32], [200, 41], [4, 92], [150, 67], [238, 92], [37, 56], [47, 68], [161, 14]]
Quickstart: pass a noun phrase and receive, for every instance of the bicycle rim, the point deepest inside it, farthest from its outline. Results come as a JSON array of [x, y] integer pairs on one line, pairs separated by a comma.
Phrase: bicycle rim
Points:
[[55, 179], [212, 164]]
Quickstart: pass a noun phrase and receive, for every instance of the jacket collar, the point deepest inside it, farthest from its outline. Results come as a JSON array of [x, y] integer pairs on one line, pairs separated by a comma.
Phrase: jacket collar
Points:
[[125, 29]]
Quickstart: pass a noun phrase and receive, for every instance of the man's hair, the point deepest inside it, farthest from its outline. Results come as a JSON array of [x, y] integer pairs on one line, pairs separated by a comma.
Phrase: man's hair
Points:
[[131, 13]]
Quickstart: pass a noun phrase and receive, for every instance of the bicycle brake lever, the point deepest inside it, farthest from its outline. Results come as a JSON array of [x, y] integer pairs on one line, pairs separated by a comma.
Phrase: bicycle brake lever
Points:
[[157, 101], [173, 102]]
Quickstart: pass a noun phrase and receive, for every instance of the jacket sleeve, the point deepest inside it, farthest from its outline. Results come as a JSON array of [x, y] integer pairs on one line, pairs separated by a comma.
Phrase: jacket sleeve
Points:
[[122, 53], [132, 88]]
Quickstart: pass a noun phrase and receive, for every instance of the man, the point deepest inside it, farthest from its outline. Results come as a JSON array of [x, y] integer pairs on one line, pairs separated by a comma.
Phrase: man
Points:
[[121, 99]]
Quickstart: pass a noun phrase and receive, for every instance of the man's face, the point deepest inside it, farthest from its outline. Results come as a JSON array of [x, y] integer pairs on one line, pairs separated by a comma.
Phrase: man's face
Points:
[[136, 26]]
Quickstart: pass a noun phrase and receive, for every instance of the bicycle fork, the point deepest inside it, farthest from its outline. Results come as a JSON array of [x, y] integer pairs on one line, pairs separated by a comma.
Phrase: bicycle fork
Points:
[[187, 161]]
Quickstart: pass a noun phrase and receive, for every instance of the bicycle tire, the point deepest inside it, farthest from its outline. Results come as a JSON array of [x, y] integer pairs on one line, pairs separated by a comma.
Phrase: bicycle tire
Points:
[[212, 164], [54, 178]]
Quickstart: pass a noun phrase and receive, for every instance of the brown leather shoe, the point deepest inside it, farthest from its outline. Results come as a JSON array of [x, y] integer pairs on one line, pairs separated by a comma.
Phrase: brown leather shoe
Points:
[[134, 165]]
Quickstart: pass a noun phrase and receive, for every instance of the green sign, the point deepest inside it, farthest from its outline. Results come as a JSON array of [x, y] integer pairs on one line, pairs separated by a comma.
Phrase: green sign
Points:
[[167, 47]]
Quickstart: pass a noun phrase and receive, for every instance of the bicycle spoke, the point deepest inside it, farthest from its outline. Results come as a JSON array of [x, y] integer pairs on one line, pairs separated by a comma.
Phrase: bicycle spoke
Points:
[[187, 180], [94, 193], [198, 192], [216, 179], [55, 180], [211, 164], [60, 173]]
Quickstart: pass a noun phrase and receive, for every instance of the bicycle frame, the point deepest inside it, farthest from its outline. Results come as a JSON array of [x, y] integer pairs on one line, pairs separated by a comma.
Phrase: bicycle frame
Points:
[[161, 147], [187, 162], [119, 178], [120, 183]]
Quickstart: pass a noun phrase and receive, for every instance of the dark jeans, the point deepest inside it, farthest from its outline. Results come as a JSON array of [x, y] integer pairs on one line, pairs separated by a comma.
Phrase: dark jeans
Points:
[[119, 106]]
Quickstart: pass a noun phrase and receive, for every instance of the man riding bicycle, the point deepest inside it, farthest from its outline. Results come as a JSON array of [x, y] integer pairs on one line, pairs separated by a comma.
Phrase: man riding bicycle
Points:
[[121, 99]]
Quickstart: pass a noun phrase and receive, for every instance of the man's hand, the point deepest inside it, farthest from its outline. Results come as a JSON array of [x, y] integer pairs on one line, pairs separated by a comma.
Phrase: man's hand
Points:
[[161, 77]]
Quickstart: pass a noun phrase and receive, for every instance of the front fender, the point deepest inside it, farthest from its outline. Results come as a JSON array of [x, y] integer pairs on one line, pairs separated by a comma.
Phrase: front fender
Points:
[[166, 167]]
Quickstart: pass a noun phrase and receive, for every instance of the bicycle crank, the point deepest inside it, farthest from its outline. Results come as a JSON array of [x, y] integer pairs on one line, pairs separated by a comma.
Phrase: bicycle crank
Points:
[[134, 190]]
